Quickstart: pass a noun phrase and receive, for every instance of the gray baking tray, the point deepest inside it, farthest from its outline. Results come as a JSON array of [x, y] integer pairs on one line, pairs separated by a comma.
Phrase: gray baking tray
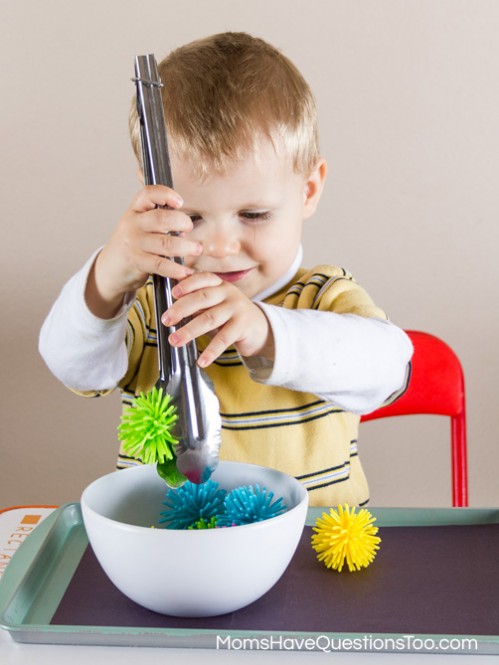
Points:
[[434, 585]]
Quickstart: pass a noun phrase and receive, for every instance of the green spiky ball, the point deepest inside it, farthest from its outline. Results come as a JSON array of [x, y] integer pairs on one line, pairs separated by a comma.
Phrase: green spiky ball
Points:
[[146, 427], [202, 523]]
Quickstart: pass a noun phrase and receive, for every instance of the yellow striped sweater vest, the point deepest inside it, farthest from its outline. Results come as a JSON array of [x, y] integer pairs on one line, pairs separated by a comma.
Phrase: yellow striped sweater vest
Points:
[[293, 431]]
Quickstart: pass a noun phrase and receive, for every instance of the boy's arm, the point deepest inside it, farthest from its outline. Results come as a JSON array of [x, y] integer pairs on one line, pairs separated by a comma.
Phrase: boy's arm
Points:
[[85, 352], [353, 361]]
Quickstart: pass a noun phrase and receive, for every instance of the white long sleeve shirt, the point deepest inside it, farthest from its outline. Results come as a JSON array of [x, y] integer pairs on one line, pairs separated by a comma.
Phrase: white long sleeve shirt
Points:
[[355, 362]]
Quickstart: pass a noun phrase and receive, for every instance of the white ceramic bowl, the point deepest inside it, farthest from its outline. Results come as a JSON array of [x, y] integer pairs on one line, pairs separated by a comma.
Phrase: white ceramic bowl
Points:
[[194, 573]]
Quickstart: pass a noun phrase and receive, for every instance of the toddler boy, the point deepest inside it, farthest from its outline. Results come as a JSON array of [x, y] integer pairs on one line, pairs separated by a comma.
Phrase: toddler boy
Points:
[[295, 355]]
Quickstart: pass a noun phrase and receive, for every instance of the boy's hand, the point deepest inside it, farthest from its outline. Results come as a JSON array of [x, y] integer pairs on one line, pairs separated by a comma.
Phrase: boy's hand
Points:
[[138, 248], [219, 309]]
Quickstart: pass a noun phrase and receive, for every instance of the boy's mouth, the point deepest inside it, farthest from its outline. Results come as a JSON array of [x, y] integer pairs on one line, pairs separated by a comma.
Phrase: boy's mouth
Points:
[[233, 276]]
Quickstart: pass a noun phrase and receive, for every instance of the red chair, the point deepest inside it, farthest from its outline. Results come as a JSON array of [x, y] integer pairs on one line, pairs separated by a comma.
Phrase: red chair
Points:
[[436, 386]]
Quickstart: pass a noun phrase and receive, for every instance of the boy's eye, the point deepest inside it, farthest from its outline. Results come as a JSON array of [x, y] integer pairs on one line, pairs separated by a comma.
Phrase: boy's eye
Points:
[[195, 219], [255, 215]]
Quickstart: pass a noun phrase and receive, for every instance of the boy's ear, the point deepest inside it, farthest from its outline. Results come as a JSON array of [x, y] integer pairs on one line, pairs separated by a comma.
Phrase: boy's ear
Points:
[[314, 185]]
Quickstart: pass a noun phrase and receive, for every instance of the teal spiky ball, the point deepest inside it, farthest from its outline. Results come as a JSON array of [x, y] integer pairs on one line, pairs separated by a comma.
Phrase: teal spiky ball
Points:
[[249, 504], [193, 506], [146, 427]]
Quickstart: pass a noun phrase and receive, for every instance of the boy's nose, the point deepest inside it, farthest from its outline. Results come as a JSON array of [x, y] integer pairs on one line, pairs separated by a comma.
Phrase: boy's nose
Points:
[[220, 243]]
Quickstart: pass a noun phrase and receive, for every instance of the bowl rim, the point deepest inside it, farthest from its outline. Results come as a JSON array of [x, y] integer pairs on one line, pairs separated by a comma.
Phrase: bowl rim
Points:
[[126, 526]]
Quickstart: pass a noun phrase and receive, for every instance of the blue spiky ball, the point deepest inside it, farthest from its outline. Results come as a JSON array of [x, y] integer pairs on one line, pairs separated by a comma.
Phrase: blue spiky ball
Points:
[[207, 506], [249, 504], [192, 505]]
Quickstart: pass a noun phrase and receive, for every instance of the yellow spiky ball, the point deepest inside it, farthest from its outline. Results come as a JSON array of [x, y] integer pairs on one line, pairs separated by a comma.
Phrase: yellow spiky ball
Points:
[[345, 535]]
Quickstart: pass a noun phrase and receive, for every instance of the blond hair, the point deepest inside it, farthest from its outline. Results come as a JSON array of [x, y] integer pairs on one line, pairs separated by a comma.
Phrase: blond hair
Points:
[[223, 92]]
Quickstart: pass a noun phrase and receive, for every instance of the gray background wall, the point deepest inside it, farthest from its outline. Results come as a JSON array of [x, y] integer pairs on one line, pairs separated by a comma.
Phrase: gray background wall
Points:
[[409, 101]]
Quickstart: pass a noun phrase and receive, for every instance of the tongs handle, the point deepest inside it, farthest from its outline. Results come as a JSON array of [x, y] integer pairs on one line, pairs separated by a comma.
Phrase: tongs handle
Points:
[[157, 171]]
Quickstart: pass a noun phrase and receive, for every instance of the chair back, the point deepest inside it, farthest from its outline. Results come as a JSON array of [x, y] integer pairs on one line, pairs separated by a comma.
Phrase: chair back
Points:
[[436, 386]]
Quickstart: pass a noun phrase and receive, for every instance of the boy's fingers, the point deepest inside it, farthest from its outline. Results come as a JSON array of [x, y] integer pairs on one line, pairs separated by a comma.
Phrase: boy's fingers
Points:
[[206, 322], [151, 264], [197, 281], [163, 220], [166, 245], [222, 340], [199, 303], [152, 196]]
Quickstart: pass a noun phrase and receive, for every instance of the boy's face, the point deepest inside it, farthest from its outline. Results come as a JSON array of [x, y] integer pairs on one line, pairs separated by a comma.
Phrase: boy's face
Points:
[[249, 220]]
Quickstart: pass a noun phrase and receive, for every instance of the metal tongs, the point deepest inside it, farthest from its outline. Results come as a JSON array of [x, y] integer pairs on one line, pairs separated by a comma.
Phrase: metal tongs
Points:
[[198, 427]]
